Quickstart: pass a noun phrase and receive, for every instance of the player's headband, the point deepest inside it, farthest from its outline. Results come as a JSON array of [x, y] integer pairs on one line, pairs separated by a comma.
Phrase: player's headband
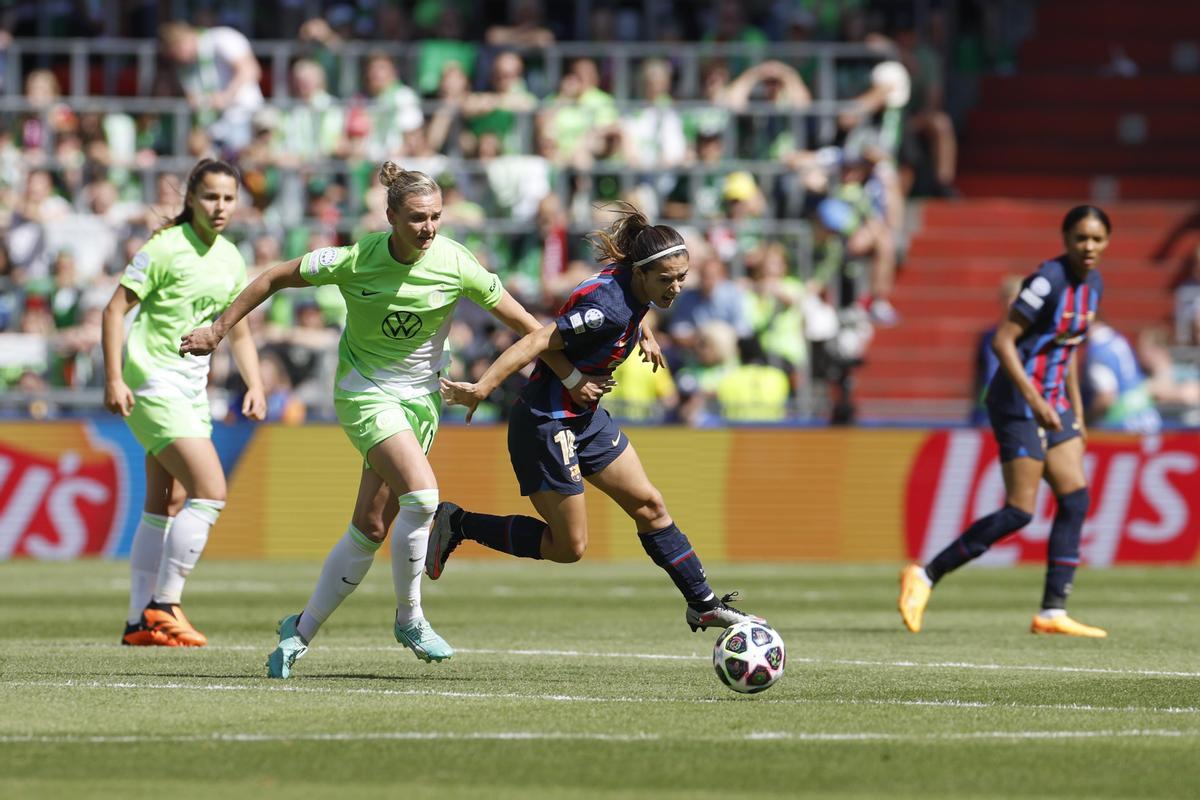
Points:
[[660, 254]]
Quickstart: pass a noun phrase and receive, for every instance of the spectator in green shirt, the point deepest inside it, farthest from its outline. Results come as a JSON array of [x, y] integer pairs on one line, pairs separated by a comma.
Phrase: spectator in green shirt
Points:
[[393, 109]]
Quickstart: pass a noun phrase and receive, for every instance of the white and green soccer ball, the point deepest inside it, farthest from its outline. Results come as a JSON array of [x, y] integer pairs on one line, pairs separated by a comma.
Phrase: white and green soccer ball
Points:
[[749, 657]]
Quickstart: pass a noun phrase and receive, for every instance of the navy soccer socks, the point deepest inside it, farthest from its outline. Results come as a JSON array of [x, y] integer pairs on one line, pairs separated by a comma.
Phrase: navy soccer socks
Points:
[[1063, 553], [975, 541], [515, 534], [671, 550]]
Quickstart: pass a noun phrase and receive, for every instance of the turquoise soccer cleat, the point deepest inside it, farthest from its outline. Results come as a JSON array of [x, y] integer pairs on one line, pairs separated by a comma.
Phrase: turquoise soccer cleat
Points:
[[420, 637], [291, 647]]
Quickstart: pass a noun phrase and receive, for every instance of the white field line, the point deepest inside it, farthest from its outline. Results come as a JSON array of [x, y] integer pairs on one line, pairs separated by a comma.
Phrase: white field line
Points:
[[525, 736], [570, 698], [853, 662], [537, 653]]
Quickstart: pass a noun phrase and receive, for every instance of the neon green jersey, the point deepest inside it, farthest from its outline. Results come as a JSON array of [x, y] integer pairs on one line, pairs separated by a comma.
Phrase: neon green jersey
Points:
[[182, 284], [397, 315]]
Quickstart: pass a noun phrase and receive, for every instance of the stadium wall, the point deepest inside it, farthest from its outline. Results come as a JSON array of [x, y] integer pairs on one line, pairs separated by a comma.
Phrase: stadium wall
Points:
[[72, 489]]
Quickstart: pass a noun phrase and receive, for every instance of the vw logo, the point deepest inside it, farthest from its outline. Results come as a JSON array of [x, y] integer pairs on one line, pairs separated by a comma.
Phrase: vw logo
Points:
[[401, 325]]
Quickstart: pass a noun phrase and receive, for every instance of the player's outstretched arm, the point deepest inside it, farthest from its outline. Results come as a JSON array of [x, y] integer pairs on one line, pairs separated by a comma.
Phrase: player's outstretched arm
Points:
[[516, 356], [203, 341], [584, 389]]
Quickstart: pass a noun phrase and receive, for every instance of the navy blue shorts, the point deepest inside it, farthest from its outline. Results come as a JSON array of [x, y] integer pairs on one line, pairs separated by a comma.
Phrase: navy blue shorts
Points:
[[556, 454], [1021, 437]]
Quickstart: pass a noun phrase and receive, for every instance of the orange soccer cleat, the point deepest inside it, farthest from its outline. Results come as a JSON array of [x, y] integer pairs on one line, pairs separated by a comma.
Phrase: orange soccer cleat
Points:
[[914, 596], [1065, 625], [169, 620], [139, 634]]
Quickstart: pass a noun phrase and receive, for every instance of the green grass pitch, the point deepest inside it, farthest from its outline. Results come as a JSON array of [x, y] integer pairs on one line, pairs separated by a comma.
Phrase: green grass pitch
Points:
[[583, 681]]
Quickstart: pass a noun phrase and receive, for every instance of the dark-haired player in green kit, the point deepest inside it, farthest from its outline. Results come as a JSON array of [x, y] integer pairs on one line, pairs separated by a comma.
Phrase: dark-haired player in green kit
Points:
[[184, 276]]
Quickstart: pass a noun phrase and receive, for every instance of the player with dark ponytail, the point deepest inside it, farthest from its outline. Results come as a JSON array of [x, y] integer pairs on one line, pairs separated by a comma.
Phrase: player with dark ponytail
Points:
[[555, 442], [1036, 411], [184, 276]]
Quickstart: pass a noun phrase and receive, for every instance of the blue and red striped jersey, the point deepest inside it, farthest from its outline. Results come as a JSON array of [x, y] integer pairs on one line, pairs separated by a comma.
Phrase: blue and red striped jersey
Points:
[[600, 324], [1059, 309]]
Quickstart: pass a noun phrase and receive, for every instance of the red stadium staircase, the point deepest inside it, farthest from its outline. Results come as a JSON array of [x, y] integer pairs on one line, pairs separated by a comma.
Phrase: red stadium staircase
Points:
[[1067, 129], [1070, 124], [949, 291]]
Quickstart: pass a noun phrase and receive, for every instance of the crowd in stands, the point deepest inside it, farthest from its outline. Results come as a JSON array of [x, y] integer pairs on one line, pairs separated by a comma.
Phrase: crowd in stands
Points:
[[791, 196]]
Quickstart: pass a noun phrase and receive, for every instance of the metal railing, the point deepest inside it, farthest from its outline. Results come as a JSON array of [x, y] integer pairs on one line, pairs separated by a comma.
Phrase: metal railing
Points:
[[277, 55], [183, 117]]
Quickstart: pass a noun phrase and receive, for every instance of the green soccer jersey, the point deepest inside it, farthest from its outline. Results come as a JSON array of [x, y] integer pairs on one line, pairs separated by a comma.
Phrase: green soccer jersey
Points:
[[397, 315], [182, 284]]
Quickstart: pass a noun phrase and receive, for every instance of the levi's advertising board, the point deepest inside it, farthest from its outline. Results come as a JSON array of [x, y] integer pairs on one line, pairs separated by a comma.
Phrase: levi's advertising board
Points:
[[75, 489], [1145, 498], [71, 489]]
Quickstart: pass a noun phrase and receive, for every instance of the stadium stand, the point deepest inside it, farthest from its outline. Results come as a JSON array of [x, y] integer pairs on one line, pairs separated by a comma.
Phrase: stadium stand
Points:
[[774, 132], [1105, 114]]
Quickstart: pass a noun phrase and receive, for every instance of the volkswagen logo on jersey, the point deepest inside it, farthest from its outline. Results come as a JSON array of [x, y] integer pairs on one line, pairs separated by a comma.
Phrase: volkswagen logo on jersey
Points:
[[401, 325]]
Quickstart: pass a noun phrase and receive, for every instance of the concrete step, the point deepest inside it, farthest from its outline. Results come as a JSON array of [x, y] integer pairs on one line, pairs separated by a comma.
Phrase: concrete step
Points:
[[983, 272], [1122, 247], [1153, 53], [1020, 216], [1063, 157], [1020, 183], [1051, 92], [1127, 124]]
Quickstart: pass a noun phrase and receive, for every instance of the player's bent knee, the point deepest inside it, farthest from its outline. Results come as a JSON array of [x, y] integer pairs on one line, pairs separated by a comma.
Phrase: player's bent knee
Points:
[[652, 509], [422, 502], [207, 508], [567, 545], [574, 551], [211, 486], [371, 526], [1015, 518], [978, 540], [1074, 505]]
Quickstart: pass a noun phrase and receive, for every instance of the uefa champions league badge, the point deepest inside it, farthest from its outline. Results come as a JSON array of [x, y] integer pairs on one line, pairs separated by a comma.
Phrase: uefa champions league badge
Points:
[[136, 270], [320, 258], [593, 318], [1040, 286]]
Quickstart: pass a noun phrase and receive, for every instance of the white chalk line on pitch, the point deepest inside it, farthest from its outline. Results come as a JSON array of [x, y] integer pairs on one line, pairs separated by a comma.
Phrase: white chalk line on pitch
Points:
[[526, 736], [854, 662], [846, 662], [568, 698]]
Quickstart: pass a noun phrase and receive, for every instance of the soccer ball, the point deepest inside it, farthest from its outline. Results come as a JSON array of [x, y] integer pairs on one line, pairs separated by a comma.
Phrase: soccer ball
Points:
[[749, 657]]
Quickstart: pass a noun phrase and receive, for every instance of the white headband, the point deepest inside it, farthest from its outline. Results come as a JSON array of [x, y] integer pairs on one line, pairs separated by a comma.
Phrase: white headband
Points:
[[660, 254]]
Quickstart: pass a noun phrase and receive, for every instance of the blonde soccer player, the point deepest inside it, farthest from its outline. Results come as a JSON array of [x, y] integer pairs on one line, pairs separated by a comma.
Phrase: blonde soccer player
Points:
[[400, 287]]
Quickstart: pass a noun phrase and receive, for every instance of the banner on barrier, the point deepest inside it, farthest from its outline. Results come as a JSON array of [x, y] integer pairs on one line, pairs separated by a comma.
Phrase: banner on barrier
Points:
[[62, 492], [71, 489], [1145, 499]]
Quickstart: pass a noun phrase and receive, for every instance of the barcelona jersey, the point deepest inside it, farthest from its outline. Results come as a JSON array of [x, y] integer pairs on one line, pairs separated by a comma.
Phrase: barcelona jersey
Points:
[[600, 324], [1059, 309]]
